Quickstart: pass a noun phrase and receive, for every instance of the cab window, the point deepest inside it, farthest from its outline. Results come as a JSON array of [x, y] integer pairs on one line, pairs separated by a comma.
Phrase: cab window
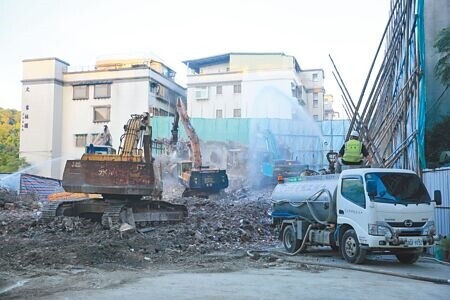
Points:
[[353, 190]]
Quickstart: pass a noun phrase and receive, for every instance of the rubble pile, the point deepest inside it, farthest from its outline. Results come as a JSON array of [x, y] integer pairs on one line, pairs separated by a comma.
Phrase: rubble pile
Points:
[[12, 201], [238, 220]]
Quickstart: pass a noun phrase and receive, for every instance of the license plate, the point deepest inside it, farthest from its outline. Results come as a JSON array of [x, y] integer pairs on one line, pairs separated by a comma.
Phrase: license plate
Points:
[[417, 242]]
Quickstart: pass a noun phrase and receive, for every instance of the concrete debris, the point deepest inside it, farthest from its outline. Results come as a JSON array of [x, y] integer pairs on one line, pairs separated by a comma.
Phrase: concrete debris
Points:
[[236, 221], [125, 229]]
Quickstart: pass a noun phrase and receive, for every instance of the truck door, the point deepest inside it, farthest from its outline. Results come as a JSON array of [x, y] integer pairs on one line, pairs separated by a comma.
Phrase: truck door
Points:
[[351, 205]]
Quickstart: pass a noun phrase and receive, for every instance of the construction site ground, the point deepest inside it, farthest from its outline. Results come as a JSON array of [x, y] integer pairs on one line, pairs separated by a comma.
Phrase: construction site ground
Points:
[[210, 255]]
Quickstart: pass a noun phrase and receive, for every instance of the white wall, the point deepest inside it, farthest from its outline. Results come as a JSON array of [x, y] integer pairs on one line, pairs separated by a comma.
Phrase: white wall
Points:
[[126, 98], [263, 94], [268, 94], [267, 82], [219, 68], [41, 111]]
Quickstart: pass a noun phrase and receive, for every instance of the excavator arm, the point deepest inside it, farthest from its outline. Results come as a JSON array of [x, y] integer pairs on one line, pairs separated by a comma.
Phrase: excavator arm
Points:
[[174, 131], [192, 135], [129, 141]]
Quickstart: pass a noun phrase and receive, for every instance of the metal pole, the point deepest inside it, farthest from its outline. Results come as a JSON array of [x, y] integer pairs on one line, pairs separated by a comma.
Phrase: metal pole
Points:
[[371, 68]]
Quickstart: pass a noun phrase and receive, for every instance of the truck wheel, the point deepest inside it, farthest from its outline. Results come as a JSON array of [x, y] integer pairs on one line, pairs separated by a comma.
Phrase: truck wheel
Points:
[[408, 257], [290, 241], [350, 248]]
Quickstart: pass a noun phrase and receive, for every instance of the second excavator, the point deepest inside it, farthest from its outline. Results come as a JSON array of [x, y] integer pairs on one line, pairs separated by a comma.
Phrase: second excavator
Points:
[[199, 180], [122, 187]]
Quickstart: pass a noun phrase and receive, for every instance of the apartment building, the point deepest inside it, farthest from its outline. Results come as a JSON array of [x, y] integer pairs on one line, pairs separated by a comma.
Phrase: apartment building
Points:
[[253, 85], [328, 111], [64, 109]]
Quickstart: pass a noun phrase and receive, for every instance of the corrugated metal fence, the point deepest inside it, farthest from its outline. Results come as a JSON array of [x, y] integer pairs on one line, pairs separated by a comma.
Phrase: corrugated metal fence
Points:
[[439, 179], [40, 186]]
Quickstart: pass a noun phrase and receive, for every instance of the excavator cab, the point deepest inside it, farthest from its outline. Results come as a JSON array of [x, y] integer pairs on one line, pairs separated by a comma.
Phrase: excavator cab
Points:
[[199, 180], [99, 149]]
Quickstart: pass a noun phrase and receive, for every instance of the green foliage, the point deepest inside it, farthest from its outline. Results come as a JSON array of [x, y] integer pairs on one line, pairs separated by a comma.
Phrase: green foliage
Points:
[[9, 141], [437, 140], [442, 44]]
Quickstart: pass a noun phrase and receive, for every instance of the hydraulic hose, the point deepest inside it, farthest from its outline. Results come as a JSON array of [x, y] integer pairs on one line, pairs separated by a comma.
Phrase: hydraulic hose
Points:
[[357, 268], [303, 245]]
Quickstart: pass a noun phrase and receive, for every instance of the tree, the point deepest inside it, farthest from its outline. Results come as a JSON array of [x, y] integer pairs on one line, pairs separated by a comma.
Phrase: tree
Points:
[[436, 141], [442, 68], [9, 141], [437, 138]]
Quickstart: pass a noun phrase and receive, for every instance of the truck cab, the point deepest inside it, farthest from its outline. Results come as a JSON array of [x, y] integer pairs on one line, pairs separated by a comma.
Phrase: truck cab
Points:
[[383, 210], [360, 211]]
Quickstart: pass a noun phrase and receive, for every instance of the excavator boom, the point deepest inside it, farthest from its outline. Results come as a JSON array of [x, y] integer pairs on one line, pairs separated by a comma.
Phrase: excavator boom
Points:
[[192, 135], [198, 180]]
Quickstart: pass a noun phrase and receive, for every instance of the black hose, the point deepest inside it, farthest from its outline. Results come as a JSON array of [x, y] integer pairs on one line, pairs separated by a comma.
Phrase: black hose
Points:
[[358, 268]]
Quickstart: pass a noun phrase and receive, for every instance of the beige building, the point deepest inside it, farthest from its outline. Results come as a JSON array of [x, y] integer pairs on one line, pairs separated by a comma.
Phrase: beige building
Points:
[[253, 85], [328, 110], [64, 109]]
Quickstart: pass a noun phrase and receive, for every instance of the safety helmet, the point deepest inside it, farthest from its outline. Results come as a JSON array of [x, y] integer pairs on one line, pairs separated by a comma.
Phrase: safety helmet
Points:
[[355, 133]]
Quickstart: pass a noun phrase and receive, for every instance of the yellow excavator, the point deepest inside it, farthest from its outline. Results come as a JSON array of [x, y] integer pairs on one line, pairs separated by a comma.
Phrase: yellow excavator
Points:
[[129, 183], [201, 181]]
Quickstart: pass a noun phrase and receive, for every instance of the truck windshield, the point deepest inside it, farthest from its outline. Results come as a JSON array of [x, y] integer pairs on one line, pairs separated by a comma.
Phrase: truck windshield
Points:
[[399, 188]]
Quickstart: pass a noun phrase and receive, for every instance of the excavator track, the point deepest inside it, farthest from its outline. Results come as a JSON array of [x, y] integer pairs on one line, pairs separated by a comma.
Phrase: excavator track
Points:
[[112, 215], [50, 210], [142, 213]]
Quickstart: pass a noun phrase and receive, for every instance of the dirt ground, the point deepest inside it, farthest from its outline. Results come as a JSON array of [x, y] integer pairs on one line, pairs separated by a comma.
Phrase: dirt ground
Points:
[[71, 254], [232, 223]]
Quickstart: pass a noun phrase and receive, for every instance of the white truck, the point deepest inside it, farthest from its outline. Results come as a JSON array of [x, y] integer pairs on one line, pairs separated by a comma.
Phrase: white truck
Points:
[[360, 211]]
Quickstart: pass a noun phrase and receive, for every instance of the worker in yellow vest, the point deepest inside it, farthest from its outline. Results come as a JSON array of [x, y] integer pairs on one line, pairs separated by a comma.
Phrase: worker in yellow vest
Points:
[[353, 151]]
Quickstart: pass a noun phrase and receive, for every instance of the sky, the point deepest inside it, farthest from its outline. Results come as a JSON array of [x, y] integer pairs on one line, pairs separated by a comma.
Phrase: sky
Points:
[[79, 32]]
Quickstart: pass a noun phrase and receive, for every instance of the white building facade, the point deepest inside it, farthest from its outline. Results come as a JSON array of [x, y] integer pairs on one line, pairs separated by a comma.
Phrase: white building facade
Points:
[[64, 110], [253, 85]]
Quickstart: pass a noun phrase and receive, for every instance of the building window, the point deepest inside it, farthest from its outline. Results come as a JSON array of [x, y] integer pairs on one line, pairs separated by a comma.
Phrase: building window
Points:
[[94, 137], [315, 96], [80, 140], [25, 125], [237, 88], [315, 77], [102, 114], [26, 116], [219, 90], [27, 107], [316, 117], [102, 91], [154, 87], [201, 92], [162, 92], [315, 103], [154, 111], [80, 92], [237, 113], [163, 112], [219, 113]]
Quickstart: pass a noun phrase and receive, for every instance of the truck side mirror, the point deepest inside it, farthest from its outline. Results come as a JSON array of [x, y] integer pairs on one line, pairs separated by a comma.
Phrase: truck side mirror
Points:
[[438, 197], [371, 187]]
